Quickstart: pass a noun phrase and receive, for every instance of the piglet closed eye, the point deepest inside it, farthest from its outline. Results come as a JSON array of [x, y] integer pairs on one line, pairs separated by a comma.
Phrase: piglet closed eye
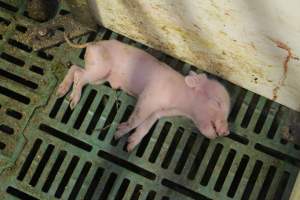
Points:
[[161, 91]]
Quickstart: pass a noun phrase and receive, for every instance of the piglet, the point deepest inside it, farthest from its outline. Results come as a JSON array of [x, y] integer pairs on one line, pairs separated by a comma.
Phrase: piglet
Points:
[[161, 91]]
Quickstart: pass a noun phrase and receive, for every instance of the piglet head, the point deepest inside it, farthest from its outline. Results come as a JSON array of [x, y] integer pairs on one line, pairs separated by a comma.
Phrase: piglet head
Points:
[[210, 106]]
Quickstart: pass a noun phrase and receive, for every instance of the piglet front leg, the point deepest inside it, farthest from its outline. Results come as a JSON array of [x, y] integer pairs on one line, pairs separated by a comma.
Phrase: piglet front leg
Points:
[[142, 130], [135, 138]]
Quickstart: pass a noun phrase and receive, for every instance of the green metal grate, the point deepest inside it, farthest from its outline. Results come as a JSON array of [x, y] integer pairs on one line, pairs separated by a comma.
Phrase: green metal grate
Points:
[[49, 151]]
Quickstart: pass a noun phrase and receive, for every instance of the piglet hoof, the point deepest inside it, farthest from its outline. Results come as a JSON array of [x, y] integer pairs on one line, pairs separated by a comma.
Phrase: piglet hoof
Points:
[[131, 144], [73, 102], [60, 92], [72, 105], [130, 148], [119, 134], [122, 126], [223, 133], [133, 141]]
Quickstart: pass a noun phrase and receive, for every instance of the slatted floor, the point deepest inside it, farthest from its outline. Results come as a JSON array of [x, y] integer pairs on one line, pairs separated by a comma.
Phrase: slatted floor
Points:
[[48, 151]]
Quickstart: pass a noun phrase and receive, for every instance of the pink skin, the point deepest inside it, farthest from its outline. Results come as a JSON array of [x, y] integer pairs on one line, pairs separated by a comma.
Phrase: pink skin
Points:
[[161, 91]]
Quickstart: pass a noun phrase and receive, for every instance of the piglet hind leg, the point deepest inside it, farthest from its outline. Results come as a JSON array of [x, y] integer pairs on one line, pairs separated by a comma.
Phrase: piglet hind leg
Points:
[[93, 74], [135, 119], [65, 85], [80, 79], [135, 138]]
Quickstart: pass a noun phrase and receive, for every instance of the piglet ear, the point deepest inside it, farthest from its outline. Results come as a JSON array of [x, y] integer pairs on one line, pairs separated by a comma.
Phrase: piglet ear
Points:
[[194, 80]]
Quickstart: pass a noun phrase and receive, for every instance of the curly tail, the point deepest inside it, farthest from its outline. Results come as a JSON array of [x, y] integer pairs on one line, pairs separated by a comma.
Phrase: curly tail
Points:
[[78, 46]]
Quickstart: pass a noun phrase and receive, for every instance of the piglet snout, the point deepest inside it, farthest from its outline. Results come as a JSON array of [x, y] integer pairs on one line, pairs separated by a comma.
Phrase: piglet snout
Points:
[[221, 127]]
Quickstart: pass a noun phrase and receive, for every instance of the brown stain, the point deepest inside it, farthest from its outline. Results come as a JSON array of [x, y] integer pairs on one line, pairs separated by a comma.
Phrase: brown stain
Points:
[[253, 46], [295, 58], [275, 93], [289, 56], [196, 26], [256, 80]]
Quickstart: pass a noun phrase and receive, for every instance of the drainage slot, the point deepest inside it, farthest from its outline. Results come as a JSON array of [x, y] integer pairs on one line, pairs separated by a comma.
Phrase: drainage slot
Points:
[[122, 190], [44, 55], [237, 105], [12, 59], [277, 154], [172, 148], [267, 183], [2, 146], [262, 117], [4, 21], [97, 115], [183, 190], [127, 165], [160, 141], [94, 183], [107, 35], [41, 166], [67, 138], [85, 109], [21, 28], [18, 79], [6, 129], [56, 166], [67, 115], [250, 111], [198, 159], [151, 195], [64, 12], [13, 113], [56, 107], [37, 70], [61, 188], [282, 185], [109, 121], [275, 124], [225, 170], [185, 153], [29, 159], [82, 53], [211, 165], [80, 180], [252, 180], [238, 176], [20, 45], [120, 38], [108, 186], [136, 192], [238, 138], [14, 95], [8, 7], [20, 194]]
